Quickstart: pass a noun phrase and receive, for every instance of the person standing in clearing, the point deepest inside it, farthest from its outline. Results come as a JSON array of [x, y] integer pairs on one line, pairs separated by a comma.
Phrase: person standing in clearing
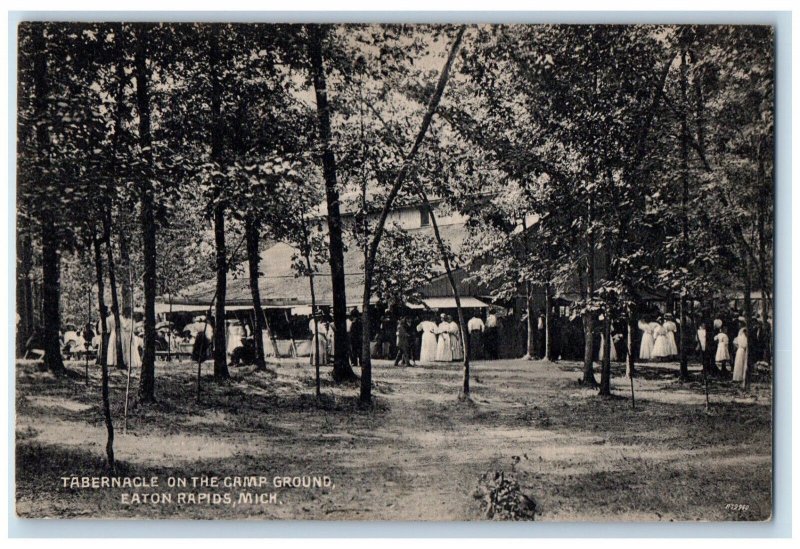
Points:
[[670, 327], [475, 329], [330, 337], [319, 342], [444, 352], [456, 346], [403, 343], [427, 351], [661, 346], [354, 332], [740, 362], [110, 341], [703, 347], [722, 357], [130, 341], [613, 350], [490, 334], [541, 335]]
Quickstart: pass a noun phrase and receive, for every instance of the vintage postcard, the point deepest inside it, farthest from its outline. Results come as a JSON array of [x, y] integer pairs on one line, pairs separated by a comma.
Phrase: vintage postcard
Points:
[[394, 271]]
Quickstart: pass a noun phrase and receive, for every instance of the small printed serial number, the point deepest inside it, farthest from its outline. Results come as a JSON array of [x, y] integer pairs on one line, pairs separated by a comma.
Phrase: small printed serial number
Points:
[[737, 506]]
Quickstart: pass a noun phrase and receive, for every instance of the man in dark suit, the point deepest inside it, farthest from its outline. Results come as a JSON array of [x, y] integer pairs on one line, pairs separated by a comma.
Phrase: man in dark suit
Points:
[[354, 333]]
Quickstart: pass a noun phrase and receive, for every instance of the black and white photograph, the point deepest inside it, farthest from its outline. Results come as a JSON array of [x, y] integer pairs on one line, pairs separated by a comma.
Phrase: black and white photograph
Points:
[[394, 271]]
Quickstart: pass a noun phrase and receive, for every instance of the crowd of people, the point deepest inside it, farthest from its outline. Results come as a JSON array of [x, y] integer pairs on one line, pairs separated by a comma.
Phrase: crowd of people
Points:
[[723, 344], [407, 340], [412, 338]]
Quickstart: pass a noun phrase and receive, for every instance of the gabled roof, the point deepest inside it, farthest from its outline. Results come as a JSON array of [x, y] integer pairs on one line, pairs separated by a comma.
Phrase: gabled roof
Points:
[[280, 285]]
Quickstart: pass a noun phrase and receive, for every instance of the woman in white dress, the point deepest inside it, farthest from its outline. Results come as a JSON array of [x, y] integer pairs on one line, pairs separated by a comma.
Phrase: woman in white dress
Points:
[[329, 335], [646, 347], [427, 352], [612, 351], [444, 352], [740, 362], [671, 328], [131, 344], [660, 347], [111, 352], [723, 357], [319, 343], [455, 340]]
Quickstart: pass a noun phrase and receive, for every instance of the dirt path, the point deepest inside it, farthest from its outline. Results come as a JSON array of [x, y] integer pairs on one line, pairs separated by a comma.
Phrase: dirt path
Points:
[[418, 454]]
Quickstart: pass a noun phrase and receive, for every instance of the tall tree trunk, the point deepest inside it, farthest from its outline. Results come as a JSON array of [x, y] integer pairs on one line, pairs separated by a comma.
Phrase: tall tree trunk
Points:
[[123, 267], [25, 289], [365, 395], [251, 235], [462, 325], [116, 144], [112, 280], [630, 365], [217, 155], [147, 381], [220, 351], [748, 315], [548, 324], [766, 339], [684, 359], [342, 371], [51, 261], [588, 316], [531, 325], [101, 307], [315, 319], [763, 206], [51, 294], [605, 364]]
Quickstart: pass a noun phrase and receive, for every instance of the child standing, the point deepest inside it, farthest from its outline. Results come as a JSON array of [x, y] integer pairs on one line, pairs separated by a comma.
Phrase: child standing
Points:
[[723, 357]]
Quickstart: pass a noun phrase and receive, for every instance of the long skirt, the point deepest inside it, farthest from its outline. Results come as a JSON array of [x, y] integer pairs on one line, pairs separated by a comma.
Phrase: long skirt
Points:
[[319, 342], [612, 352], [201, 350], [476, 345], [661, 347], [671, 345], [234, 341], [490, 343], [427, 352], [722, 352], [444, 352], [646, 347], [740, 365], [403, 351], [111, 349], [130, 350], [456, 348]]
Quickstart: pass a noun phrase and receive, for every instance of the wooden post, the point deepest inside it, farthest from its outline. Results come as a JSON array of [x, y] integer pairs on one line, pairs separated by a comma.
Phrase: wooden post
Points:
[[130, 356], [633, 397], [291, 335], [85, 351]]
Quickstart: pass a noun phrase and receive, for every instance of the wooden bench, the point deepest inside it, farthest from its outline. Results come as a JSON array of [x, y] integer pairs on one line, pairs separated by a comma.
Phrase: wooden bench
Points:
[[80, 355], [169, 355]]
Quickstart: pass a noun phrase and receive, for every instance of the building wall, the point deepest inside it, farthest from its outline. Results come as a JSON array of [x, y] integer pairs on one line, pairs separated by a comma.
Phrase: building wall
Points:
[[415, 217]]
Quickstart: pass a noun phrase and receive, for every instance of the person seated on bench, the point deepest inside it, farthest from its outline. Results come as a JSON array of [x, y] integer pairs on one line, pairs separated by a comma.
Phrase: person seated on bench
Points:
[[245, 354]]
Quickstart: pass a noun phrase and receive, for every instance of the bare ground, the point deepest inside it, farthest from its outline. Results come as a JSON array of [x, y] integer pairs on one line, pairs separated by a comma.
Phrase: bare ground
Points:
[[417, 454]]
